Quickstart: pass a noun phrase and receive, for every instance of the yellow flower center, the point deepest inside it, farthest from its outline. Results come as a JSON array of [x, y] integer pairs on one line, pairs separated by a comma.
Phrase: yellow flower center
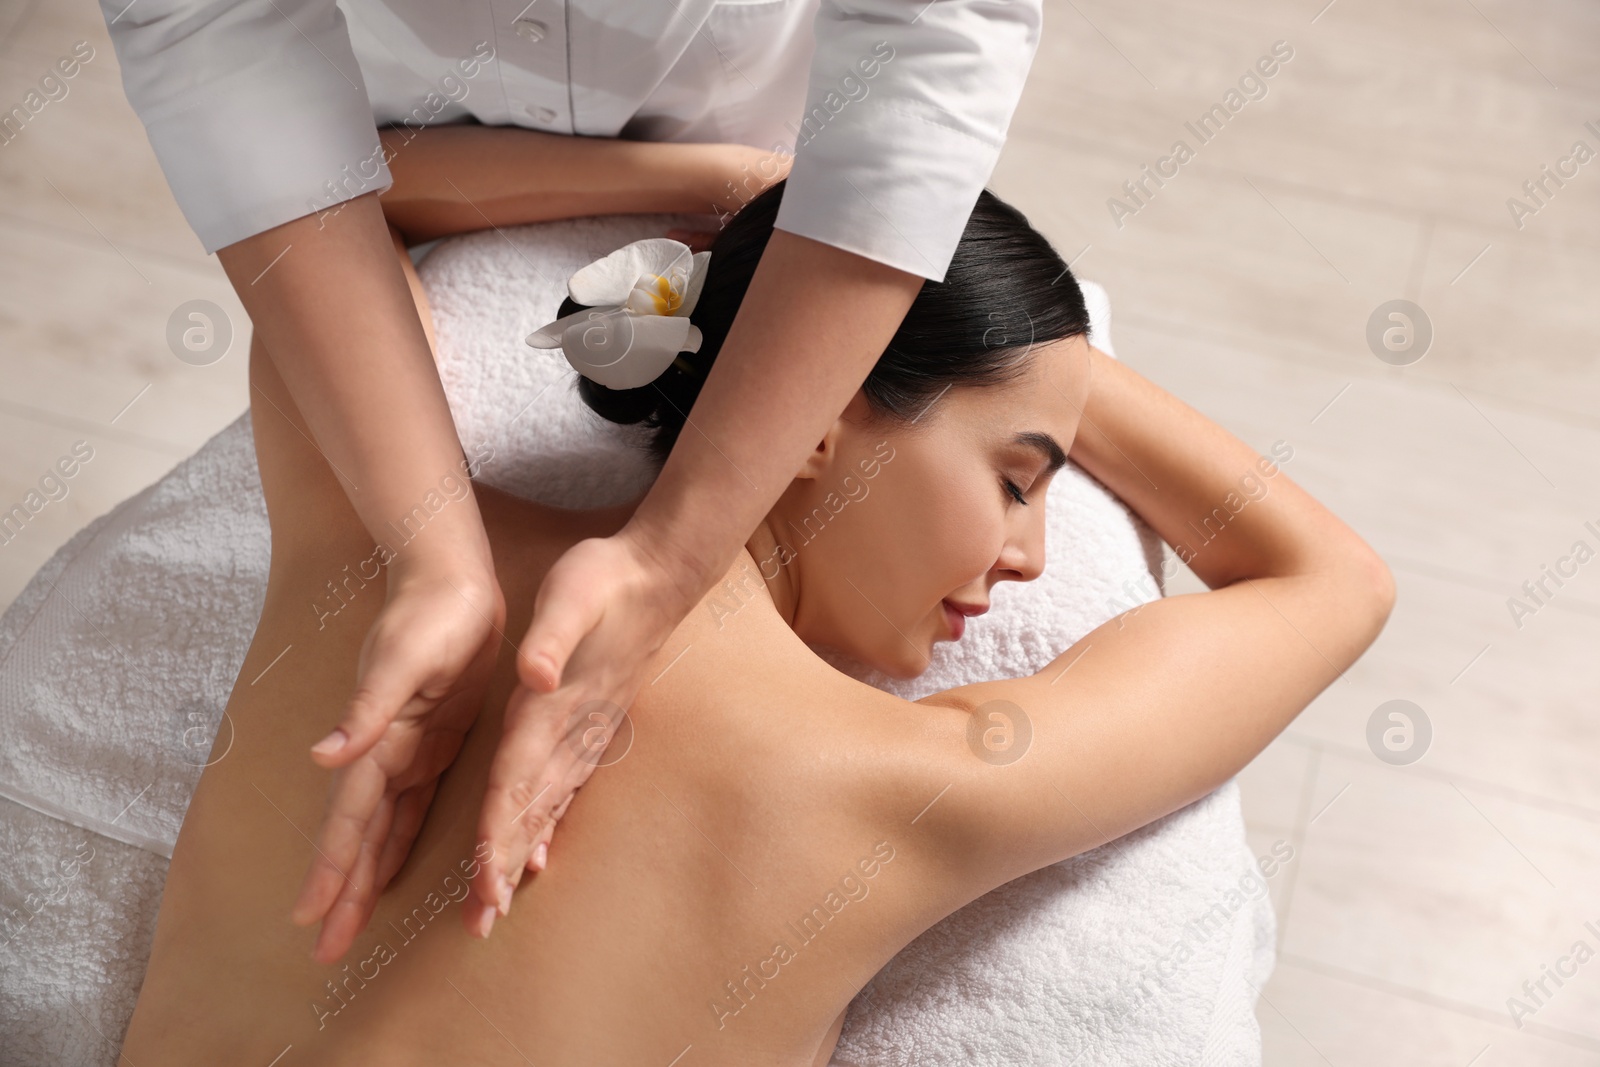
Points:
[[663, 294]]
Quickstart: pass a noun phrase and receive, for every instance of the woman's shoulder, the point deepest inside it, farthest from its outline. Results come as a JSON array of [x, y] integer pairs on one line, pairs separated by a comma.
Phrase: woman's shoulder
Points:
[[734, 639], [735, 668]]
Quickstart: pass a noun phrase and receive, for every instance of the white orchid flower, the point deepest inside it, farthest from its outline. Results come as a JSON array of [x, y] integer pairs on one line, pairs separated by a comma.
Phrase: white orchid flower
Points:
[[637, 316]]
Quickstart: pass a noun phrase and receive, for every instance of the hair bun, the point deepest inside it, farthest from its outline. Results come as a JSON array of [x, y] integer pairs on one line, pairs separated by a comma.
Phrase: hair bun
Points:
[[1003, 272], [624, 406]]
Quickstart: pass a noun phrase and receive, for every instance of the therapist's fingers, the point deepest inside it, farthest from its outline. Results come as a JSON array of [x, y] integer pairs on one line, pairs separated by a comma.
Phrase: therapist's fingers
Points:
[[534, 771], [352, 910], [400, 772], [392, 670], [410, 809], [353, 800], [611, 605], [539, 856], [578, 584], [429, 635]]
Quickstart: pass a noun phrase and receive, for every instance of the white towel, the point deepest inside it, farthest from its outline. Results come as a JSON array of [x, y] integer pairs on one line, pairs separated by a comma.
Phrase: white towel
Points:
[[118, 657]]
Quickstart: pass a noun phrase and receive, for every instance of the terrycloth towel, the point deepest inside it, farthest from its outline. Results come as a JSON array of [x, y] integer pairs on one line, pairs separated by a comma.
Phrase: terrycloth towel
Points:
[[118, 657]]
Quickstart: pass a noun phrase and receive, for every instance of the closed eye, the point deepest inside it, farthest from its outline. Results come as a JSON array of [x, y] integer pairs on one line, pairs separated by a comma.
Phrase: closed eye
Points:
[[1016, 493]]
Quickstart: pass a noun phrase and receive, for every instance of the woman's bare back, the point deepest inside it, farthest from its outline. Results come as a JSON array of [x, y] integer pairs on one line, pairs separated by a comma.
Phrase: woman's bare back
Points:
[[720, 889], [737, 867]]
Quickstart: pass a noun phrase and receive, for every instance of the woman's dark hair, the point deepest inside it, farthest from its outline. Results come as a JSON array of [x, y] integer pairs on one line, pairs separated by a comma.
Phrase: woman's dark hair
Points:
[[1006, 291]]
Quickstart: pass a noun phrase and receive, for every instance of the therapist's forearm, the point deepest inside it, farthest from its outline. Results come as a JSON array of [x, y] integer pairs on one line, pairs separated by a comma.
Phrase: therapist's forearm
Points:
[[329, 302], [813, 322]]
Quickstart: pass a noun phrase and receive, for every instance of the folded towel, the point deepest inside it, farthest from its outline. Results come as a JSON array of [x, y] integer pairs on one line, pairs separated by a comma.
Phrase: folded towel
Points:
[[117, 660]]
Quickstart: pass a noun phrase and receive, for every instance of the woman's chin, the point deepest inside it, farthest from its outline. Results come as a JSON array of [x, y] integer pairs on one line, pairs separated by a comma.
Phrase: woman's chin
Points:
[[906, 668], [901, 670]]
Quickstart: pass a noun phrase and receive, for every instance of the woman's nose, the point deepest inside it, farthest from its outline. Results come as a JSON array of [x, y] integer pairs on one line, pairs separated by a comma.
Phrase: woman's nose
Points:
[[1022, 559]]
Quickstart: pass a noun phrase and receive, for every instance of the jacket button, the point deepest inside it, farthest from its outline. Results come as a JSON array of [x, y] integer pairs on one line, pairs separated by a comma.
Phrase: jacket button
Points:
[[532, 29]]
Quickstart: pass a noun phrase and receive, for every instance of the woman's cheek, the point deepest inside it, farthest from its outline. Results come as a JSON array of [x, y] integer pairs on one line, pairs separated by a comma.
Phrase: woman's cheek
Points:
[[970, 534], [894, 530]]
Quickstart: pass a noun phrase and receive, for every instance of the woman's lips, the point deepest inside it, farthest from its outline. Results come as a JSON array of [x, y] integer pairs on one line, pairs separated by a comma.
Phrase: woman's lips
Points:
[[955, 620], [955, 616]]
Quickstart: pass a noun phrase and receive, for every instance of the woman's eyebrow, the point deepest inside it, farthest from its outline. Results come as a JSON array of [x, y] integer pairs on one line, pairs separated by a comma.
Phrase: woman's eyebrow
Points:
[[1045, 444]]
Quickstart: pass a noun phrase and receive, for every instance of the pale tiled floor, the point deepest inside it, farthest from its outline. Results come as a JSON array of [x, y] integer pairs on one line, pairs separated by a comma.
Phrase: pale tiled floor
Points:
[[1378, 166]]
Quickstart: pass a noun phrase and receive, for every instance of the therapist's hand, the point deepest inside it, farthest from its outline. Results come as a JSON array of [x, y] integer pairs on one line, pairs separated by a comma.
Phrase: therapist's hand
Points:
[[421, 680], [610, 604], [784, 374]]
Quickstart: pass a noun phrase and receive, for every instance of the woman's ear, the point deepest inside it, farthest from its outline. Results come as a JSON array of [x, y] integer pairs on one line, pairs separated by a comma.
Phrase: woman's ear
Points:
[[845, 428]]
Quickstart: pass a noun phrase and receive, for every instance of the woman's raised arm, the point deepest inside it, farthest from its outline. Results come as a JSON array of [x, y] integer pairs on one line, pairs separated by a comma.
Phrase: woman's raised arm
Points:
[[1160, 705], [461, 178]]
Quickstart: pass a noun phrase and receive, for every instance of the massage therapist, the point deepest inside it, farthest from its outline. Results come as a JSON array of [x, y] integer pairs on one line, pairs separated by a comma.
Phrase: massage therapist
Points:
[[889, 116]]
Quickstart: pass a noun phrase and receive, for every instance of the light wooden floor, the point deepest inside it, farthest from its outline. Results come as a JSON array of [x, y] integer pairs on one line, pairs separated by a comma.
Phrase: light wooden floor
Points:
[[1377, 167]]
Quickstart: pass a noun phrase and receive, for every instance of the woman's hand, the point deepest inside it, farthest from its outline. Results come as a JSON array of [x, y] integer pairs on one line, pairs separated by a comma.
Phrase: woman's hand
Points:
[[606, 607], [420, 683], [697, 240]]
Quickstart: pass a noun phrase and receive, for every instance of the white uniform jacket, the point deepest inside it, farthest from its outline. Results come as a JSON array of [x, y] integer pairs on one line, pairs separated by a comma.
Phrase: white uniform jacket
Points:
[[261, 111]]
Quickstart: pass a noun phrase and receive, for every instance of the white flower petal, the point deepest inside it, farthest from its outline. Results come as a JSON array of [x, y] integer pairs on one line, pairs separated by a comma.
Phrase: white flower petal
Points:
[[549, 335], [623, 351], [697, 279], [608, 280]]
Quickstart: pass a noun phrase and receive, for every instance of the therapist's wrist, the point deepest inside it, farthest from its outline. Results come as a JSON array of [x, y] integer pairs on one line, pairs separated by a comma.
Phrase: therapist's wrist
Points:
[[680, 553], [457, 548]]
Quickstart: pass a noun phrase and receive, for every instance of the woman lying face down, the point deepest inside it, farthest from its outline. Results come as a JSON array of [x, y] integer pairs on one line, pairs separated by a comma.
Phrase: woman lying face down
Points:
[[763, 833]]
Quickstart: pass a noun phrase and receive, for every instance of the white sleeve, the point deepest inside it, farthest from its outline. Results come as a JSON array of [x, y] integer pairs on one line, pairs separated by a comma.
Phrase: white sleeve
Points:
[[256, 109], [906, 112]]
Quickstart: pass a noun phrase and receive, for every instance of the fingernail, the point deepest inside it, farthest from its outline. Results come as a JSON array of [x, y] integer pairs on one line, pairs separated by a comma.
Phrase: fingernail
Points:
[[505, 895], [485, 921], [540, 854], [332, 743]]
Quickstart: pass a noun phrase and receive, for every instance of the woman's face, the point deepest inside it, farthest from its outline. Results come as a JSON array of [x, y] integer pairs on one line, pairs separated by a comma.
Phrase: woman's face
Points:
[[886, 526]]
